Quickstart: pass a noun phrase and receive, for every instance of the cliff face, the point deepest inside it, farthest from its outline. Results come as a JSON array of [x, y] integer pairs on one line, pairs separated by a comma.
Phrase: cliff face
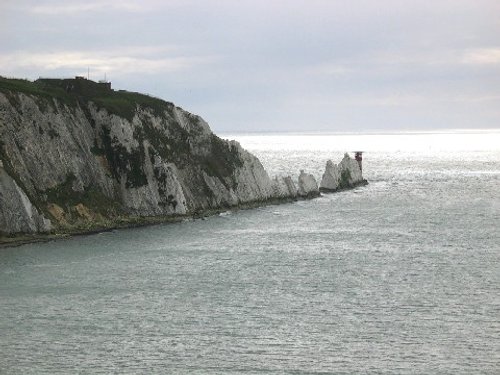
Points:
[[78, 156], [76, 159], [17, 214]]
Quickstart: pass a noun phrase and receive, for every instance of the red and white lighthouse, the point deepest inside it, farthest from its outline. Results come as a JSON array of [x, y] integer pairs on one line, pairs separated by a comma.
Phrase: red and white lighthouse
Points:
[[358, 155]]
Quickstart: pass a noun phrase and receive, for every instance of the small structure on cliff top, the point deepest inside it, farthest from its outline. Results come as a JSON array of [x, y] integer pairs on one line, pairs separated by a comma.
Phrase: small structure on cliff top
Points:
[[79, 85], [105, 83]]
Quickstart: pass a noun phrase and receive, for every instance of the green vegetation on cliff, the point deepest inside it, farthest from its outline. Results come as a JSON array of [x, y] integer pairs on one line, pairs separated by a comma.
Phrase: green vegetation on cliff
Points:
[[141, 162], [72, 91]]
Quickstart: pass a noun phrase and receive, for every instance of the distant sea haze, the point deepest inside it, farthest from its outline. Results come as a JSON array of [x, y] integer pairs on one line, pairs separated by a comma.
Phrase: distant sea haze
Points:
[[400, 276]]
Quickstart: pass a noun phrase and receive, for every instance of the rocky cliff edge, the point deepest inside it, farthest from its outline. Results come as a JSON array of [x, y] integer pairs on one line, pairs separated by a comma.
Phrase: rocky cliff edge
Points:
[[78, 156]]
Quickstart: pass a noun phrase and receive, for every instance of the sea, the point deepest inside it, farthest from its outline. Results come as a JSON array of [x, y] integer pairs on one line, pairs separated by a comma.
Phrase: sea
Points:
[[401, 276]]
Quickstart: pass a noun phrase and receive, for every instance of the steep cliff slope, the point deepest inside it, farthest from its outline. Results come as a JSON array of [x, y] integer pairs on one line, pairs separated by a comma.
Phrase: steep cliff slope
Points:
[[75, 154]]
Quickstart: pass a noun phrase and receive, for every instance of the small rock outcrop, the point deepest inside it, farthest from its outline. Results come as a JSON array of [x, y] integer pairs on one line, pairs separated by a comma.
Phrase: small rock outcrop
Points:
[[331, 177], [308, 187], [347, 174], [284, 187]]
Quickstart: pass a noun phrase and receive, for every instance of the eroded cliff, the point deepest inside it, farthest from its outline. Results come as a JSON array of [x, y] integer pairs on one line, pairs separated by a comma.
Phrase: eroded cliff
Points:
[[76, 155]]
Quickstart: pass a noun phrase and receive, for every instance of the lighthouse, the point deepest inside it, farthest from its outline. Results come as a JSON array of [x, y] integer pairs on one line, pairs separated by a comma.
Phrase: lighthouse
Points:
[[358, 155]]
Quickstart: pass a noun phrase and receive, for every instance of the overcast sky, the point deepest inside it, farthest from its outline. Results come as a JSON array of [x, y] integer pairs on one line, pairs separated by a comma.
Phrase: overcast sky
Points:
[[315, 65]]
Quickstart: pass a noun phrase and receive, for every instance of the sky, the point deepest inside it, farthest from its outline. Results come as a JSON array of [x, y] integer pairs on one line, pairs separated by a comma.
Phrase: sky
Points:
[[275, 65]]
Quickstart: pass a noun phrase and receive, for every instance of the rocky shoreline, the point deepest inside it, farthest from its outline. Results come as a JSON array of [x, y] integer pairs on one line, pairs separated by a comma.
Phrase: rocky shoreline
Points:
[[20, 239], [131, 222], [88, 159]]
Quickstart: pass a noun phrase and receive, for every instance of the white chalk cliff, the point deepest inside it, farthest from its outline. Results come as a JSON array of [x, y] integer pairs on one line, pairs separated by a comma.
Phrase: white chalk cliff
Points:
[[77, 156], [17, 214], [73, 161]]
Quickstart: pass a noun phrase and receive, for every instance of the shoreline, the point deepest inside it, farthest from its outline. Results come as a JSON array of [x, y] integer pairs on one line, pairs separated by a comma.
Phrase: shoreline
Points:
[[142, 221], [134, 222]]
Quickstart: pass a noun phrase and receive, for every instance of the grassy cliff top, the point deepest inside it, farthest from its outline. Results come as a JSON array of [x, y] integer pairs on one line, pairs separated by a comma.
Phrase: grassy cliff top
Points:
[[73, 91]]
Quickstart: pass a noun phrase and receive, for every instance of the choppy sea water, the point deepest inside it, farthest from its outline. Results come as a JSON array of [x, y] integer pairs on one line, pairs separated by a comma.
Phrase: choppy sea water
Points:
[[399, 277]]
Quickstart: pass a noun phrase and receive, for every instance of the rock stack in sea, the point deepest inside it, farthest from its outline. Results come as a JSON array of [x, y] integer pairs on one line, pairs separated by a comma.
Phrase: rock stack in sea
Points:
[[347, 174], [308, 187]]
